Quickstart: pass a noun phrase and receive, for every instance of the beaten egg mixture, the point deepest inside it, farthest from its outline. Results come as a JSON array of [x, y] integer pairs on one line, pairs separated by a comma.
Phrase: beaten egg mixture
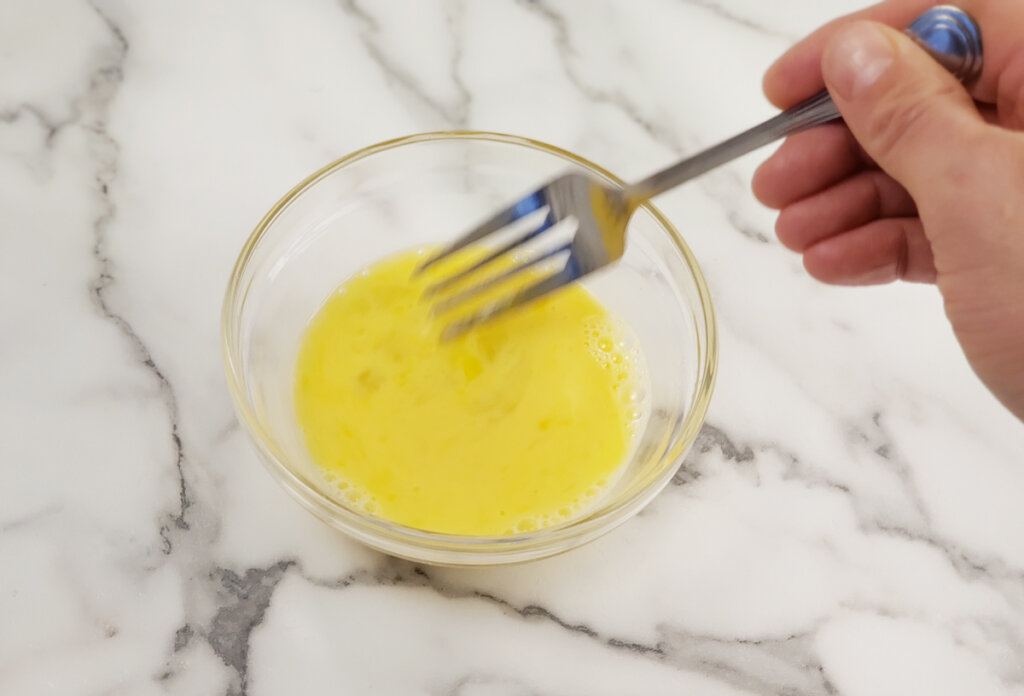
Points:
[[511, 427]]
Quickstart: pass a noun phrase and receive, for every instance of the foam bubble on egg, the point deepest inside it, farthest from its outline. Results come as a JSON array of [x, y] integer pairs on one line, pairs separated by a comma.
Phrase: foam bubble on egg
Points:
[[617, 350]]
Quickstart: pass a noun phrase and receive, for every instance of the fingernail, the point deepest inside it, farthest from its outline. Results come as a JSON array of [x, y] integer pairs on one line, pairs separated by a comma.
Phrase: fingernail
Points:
[[856, 59]]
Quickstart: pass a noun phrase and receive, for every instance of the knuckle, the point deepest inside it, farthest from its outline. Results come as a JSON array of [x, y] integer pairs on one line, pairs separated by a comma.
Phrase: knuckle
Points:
[[876, 194], [786, 231], [904, 121]]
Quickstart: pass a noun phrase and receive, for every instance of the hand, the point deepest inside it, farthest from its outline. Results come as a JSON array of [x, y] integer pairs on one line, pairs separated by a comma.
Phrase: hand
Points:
[[924, 182]]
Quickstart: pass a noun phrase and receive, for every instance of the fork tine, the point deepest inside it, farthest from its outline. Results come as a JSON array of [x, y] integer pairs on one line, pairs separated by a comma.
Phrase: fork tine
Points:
[[453, 279], [450, 303], [528, 294], [526, 205]]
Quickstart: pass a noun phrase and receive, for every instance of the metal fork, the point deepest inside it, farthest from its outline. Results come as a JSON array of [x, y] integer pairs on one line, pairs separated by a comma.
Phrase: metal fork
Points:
[[601, 211]]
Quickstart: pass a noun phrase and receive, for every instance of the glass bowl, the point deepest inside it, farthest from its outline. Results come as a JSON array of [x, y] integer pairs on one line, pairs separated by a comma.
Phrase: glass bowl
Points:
[[421, 191]]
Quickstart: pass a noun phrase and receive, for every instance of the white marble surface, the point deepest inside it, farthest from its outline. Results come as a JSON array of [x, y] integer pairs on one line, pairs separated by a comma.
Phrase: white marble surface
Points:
[[850, 521]]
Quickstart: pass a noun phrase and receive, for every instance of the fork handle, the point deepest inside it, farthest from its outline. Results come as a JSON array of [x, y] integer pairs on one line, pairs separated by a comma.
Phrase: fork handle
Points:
[[947, 33]]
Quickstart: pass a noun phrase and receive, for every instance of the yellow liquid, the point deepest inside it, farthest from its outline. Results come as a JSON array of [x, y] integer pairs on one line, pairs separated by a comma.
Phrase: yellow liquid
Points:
[[511, 427]]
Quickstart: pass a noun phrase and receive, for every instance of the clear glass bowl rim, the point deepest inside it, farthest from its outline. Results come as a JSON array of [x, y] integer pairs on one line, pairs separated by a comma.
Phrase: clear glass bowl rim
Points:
[[448, 549]]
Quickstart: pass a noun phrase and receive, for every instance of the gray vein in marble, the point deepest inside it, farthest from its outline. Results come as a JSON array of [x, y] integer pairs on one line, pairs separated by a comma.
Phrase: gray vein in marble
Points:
[[399, 573], [29, 519], [229, 429], [657, 132], [728, 661], [881, 444], [368, 28], [728, 15], [709, 438], [452, 116], [712, 438], [742, 663], [531, 611], [16, 113], [470, 684], [454, 17], [563, 44], [969, 567], [737, 188], [725, 660], [182, 637], [248, 597], [992, 573], [242, 599], [1002, 633], [191, 527], [103, 86]]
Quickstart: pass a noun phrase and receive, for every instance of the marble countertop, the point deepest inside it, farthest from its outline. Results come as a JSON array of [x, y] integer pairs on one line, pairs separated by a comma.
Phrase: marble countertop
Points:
[[850, 520]]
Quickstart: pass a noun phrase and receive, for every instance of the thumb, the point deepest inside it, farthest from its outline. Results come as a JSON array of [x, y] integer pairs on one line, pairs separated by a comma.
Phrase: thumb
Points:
[[906, 111]]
